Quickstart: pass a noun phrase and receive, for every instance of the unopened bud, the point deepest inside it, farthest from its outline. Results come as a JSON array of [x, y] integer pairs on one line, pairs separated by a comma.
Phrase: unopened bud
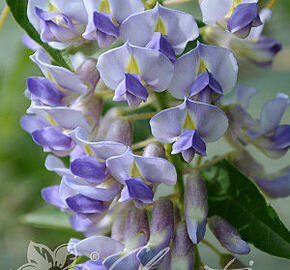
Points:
[[154, 150], [120, 131]]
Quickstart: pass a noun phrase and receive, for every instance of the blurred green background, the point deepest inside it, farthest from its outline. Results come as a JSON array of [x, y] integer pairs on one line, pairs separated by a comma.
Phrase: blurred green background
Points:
[[22, 172]]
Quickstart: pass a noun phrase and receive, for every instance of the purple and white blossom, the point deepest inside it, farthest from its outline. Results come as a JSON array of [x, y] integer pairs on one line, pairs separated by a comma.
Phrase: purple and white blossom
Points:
[[163, 29], [267, 134], [131, 71], [191, 125], [219, 62], [58, 23], [105, 17]]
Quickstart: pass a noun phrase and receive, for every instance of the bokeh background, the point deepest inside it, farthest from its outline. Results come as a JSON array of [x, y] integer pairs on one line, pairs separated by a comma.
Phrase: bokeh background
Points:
[[22, 172]]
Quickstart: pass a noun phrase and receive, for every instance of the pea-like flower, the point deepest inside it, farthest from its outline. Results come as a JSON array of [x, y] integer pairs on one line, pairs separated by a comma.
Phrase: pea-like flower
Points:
[[189, 125], [58, 23], [59, 87], [219, 64], [138, 173], [131, 71], [163, 29], [105, 17], [266, 133]]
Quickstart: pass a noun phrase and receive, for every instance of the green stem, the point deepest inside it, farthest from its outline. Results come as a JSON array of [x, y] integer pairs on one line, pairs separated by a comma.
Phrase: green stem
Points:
[[143, 143], [177, 162], [271, 4], [139, 116], [197, 260], [212, 247], [173, 2]]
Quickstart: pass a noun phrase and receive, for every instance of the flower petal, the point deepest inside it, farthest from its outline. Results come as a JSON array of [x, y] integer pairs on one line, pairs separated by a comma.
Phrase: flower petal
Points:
[[209, 120], [272, 113], [166, 125], [156, 170]]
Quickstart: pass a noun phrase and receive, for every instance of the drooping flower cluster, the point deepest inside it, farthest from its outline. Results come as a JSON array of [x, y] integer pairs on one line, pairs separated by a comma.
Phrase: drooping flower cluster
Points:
[[108, 188]]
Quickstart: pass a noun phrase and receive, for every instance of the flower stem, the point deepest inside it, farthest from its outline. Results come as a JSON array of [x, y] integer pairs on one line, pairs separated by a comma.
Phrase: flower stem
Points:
[[3, 16], [173, 2], [214, 161], [211, 246], [104, 94], [139, 116], [143, 143], [271, 4], [177, 162]]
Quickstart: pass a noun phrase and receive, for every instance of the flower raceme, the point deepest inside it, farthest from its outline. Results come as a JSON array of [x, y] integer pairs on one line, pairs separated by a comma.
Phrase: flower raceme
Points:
[[149, 58]]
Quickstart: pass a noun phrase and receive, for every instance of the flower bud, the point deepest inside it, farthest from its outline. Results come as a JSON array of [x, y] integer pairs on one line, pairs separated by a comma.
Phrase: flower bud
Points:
[[161, 232], [154, 150], [182, 250], [88, 73], [195, 207], [228, 236], [120, 131]]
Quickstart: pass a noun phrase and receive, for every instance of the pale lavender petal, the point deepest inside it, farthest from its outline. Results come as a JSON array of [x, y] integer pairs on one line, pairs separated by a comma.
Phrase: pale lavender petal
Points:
[[121, 167], [156, 170], [244, 95], [54, 164], [30, 43], [166, 125], [272, 113], [63, 77], [31, 123], [104, 246], [51, 195], [105, 192], [209, 120], [185, 72], [213, 11]]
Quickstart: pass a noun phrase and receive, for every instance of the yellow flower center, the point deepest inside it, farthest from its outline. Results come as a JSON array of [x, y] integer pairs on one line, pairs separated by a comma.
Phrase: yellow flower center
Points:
[[160, 27], [132, 66], [234, 5], [188, 122], [105, 6]]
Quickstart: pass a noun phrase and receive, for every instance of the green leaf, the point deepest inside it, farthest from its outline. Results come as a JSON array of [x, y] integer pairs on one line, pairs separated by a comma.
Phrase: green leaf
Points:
[[235, 198], [47, 217], [18, 9]]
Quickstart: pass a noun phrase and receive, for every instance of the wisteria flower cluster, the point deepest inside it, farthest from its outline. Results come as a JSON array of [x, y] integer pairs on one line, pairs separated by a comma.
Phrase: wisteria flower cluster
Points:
[[173, 72]]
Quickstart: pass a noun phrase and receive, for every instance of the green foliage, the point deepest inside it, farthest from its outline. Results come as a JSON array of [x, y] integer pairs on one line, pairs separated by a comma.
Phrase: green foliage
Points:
[[235, 198], [47, 217], [19, 12]]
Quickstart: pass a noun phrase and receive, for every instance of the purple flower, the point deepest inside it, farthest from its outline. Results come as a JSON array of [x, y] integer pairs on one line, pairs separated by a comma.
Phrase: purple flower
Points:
[[190, 125], [244, 17], [130, 70], [228, 236], [104, 18], [213, 12], [60, 87], [176, 26], [135, 171], [219, 62], [266, 133], [275, 185], [59, 24]]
